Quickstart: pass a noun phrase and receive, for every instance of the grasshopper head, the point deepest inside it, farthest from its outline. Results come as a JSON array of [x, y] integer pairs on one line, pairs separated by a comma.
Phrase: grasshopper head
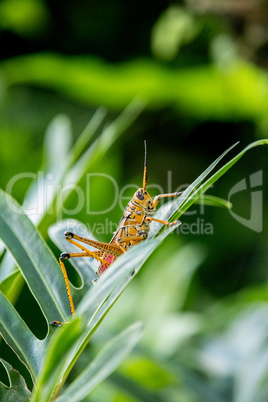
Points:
[[143, 198]]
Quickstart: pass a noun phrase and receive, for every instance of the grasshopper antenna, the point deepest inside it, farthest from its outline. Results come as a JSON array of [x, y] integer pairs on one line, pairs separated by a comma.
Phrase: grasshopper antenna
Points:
[[145, 167]]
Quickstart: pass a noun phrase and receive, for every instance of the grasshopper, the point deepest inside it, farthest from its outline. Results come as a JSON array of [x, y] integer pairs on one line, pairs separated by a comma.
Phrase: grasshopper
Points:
[[133, 228]]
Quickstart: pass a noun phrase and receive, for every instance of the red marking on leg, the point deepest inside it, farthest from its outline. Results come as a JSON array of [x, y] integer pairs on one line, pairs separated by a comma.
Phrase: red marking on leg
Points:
[[102, 267]]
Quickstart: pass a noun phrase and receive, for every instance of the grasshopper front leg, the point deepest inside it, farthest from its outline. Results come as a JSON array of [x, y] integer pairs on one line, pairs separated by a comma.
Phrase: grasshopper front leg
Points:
[[149, 219], [158, 197]]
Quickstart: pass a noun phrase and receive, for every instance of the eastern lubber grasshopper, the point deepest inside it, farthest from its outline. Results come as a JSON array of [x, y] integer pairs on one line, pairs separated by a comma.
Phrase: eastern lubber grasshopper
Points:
[[133, 228]]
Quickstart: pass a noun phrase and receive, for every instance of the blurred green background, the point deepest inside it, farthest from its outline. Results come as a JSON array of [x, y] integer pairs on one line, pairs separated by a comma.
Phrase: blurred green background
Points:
[[201, 71]]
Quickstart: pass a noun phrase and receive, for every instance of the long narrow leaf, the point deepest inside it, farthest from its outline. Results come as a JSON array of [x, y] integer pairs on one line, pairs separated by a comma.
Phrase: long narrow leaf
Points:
[[38, 265], [205, 186], [58, 350], [87, 134], [214, 201], [187, 194], [104, 141], [104, 364], [42, 190]]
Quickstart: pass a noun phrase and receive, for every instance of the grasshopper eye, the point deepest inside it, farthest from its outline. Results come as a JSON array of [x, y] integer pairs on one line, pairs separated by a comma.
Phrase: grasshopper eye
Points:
[[140, 196]]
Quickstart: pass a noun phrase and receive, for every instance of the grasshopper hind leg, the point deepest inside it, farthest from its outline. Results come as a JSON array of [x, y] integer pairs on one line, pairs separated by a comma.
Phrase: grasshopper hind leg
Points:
[[113, 249]]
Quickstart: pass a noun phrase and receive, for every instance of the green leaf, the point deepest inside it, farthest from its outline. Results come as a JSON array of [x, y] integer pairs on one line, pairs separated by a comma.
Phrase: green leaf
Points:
[[18, 336], [8, 266], [196, 189], [58, 350], [176, 208], [35, 260], [45, 280], [24, 19], [87, 134], [103, 142], [149, 373], [214, 201], [68, 166], [92, 81], [17, 391], [57, 144], [10, 284], [100, 298], [237, 348], [104, 364], [175, 27], [251, 385], [229, 164], [43, 188], [43, 276]]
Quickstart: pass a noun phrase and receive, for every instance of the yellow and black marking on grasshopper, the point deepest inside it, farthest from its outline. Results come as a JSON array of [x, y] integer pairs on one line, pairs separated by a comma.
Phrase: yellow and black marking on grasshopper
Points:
[[133, 228]]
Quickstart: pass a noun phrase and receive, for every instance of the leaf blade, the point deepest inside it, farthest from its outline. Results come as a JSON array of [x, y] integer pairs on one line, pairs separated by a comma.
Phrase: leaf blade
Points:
[[196, 189], [49, 380], [19, 337], [107, 360], [205, 186], [18, 390], [37, 264]]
